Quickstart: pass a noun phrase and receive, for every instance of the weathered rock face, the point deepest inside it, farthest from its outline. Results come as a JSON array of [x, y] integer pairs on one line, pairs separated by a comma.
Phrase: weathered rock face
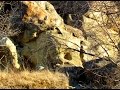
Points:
[[54, 40], [45, 39], [12, 53], [100, 24]]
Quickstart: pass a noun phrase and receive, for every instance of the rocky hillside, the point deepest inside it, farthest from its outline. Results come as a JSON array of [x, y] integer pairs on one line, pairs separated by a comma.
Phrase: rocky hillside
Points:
[[78, 38]]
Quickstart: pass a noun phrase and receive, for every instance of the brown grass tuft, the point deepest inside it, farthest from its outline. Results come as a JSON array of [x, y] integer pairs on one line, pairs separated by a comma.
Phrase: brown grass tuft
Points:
[[33, 80]]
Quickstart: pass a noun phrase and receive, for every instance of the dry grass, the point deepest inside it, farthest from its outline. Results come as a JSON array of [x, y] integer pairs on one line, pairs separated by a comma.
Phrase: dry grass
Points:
[[33, 80]]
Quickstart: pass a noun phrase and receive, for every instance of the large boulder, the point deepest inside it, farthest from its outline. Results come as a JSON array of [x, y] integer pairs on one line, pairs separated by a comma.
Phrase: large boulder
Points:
[[44, 39], [47, 40], [8, 53]]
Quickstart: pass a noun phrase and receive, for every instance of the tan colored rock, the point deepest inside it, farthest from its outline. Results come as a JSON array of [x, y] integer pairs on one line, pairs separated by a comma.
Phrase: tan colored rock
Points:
[[52, 48], [46, 40], [97, 18], [12, 49], [50, 42], [103, 40], [42, 12]]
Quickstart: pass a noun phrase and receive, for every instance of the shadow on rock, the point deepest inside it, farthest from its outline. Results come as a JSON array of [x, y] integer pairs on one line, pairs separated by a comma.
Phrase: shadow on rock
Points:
[[97, 74]]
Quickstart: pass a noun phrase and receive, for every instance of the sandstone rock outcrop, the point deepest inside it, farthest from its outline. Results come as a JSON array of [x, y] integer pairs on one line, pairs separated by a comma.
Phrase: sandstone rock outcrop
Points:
[[99, 23], [54, 44], [45, 39]]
